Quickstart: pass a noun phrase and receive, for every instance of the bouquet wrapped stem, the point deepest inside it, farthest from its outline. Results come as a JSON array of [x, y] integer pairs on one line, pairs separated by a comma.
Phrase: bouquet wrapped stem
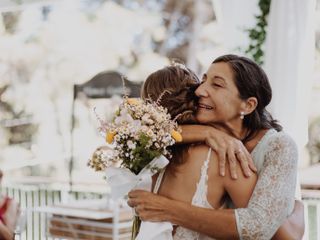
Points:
[[140, 134]]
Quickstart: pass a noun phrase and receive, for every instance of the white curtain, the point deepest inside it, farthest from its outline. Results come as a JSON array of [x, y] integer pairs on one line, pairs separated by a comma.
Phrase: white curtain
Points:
[[289, 63], [234, 17]]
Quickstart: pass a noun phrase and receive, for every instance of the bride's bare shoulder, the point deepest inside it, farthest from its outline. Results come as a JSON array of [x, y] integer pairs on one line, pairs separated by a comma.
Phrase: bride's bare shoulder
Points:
[[198, 149]]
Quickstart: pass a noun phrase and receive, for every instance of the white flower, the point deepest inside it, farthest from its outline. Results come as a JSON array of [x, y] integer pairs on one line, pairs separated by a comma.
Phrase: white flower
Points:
[[133, 120], [150, 133], [124, 117], [131, 145], [147, 119], [135, 126], [144, 128]]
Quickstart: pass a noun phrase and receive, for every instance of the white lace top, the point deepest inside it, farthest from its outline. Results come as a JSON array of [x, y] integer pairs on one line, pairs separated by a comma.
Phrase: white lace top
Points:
[[199, 199], [272, 201]]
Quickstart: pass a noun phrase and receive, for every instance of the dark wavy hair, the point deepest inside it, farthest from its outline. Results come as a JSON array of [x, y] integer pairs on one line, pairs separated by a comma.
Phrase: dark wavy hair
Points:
[[252, 81], [175, 86]]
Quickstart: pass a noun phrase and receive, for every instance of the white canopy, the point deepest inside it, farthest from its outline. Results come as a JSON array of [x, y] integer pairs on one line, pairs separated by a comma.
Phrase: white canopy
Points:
[[289, 54]]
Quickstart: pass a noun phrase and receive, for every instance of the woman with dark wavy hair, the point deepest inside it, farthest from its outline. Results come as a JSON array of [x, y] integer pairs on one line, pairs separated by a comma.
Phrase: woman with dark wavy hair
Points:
[[232, 96]]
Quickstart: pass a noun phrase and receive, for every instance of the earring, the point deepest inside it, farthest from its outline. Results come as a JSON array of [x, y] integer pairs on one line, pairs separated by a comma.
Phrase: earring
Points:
[[242, 115]]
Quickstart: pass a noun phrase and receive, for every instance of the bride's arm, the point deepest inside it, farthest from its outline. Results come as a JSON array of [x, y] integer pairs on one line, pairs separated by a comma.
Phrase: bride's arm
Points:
[[293, 227], [226, 147], [240, 191]]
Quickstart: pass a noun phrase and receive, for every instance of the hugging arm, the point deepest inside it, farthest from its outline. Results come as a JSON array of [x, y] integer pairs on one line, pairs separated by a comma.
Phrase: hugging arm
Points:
[[267, 209], [227, 147], [152, 207], [216, 223], [273, 195], [293, 227]]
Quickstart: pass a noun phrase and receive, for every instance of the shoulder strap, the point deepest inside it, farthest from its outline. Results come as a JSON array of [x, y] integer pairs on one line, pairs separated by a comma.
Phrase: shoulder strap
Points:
[[159, 180], [205, 166], [209, 155], [200, 195]]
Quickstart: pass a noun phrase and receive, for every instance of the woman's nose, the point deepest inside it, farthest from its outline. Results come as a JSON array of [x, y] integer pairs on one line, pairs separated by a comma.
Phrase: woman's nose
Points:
[[201, 91]]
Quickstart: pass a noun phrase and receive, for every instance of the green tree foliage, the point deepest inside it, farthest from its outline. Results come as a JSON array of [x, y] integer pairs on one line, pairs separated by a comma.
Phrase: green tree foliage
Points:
[[258, 33]]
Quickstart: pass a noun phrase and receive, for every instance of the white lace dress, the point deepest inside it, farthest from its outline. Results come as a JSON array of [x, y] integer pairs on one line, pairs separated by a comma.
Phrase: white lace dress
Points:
[[199, 199], [272, 201]]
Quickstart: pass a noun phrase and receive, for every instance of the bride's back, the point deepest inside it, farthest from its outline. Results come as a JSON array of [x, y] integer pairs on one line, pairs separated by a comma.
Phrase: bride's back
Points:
[[180, 180]]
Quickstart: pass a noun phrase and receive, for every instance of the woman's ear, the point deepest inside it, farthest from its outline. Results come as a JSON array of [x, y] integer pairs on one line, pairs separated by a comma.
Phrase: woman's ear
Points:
[[250, 105]]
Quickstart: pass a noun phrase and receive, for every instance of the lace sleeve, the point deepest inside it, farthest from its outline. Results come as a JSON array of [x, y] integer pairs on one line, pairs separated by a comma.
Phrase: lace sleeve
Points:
[[273, 196]]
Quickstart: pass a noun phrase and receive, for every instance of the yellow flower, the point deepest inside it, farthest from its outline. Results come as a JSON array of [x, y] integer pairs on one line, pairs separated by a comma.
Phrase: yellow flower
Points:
[[176, 136], [132, 101], [110, 137]]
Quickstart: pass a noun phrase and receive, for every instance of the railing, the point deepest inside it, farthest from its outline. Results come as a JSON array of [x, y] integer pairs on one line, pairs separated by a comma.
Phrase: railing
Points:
[[32, 196], [311, 200]]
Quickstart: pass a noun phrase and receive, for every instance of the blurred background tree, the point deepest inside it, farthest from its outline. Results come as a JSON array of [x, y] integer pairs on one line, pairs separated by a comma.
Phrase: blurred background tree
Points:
[[48, 46]]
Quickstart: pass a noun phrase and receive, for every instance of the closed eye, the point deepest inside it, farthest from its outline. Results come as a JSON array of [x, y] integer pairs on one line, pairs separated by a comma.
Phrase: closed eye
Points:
[[216, 85]]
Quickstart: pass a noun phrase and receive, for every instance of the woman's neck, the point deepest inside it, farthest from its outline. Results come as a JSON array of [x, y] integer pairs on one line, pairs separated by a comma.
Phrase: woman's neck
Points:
[[236, 130], [252, 143]]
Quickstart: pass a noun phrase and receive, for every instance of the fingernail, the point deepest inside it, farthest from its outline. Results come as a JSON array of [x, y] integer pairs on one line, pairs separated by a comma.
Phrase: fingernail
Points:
[[248, 174]]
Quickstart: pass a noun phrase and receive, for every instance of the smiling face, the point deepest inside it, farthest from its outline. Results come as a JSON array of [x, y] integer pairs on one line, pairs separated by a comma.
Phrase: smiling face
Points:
[[219, 100]]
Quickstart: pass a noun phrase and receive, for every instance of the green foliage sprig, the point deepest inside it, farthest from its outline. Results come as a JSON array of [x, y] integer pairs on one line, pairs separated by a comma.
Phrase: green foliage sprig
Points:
[[258, 33], [142, 155], [135, 227]]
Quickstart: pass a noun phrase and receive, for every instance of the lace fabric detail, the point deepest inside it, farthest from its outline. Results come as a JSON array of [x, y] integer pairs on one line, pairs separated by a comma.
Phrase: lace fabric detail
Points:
[[273, 197], [199, 199]]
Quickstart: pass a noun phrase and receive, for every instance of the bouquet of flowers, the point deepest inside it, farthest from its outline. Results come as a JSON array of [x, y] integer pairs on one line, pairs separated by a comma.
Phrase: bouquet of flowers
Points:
[[140, 134]]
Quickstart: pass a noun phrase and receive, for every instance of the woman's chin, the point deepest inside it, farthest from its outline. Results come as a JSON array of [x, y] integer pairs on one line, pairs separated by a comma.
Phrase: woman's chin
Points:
[[202, 119]]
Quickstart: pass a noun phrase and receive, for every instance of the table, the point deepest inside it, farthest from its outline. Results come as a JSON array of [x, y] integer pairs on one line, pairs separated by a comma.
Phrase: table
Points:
[[89, 219], [310, 177]]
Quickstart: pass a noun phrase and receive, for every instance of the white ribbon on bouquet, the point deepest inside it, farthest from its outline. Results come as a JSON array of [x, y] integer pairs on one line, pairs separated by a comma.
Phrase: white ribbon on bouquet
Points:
[[155, 231], [122, 180]]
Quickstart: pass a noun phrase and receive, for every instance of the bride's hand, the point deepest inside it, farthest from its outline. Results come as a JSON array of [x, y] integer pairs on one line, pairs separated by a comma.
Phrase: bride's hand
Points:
[[149, 206], [230, 149]]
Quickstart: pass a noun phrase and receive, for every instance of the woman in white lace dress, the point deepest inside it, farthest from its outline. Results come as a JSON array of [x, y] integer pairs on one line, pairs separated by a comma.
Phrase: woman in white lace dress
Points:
[[233, 95]]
